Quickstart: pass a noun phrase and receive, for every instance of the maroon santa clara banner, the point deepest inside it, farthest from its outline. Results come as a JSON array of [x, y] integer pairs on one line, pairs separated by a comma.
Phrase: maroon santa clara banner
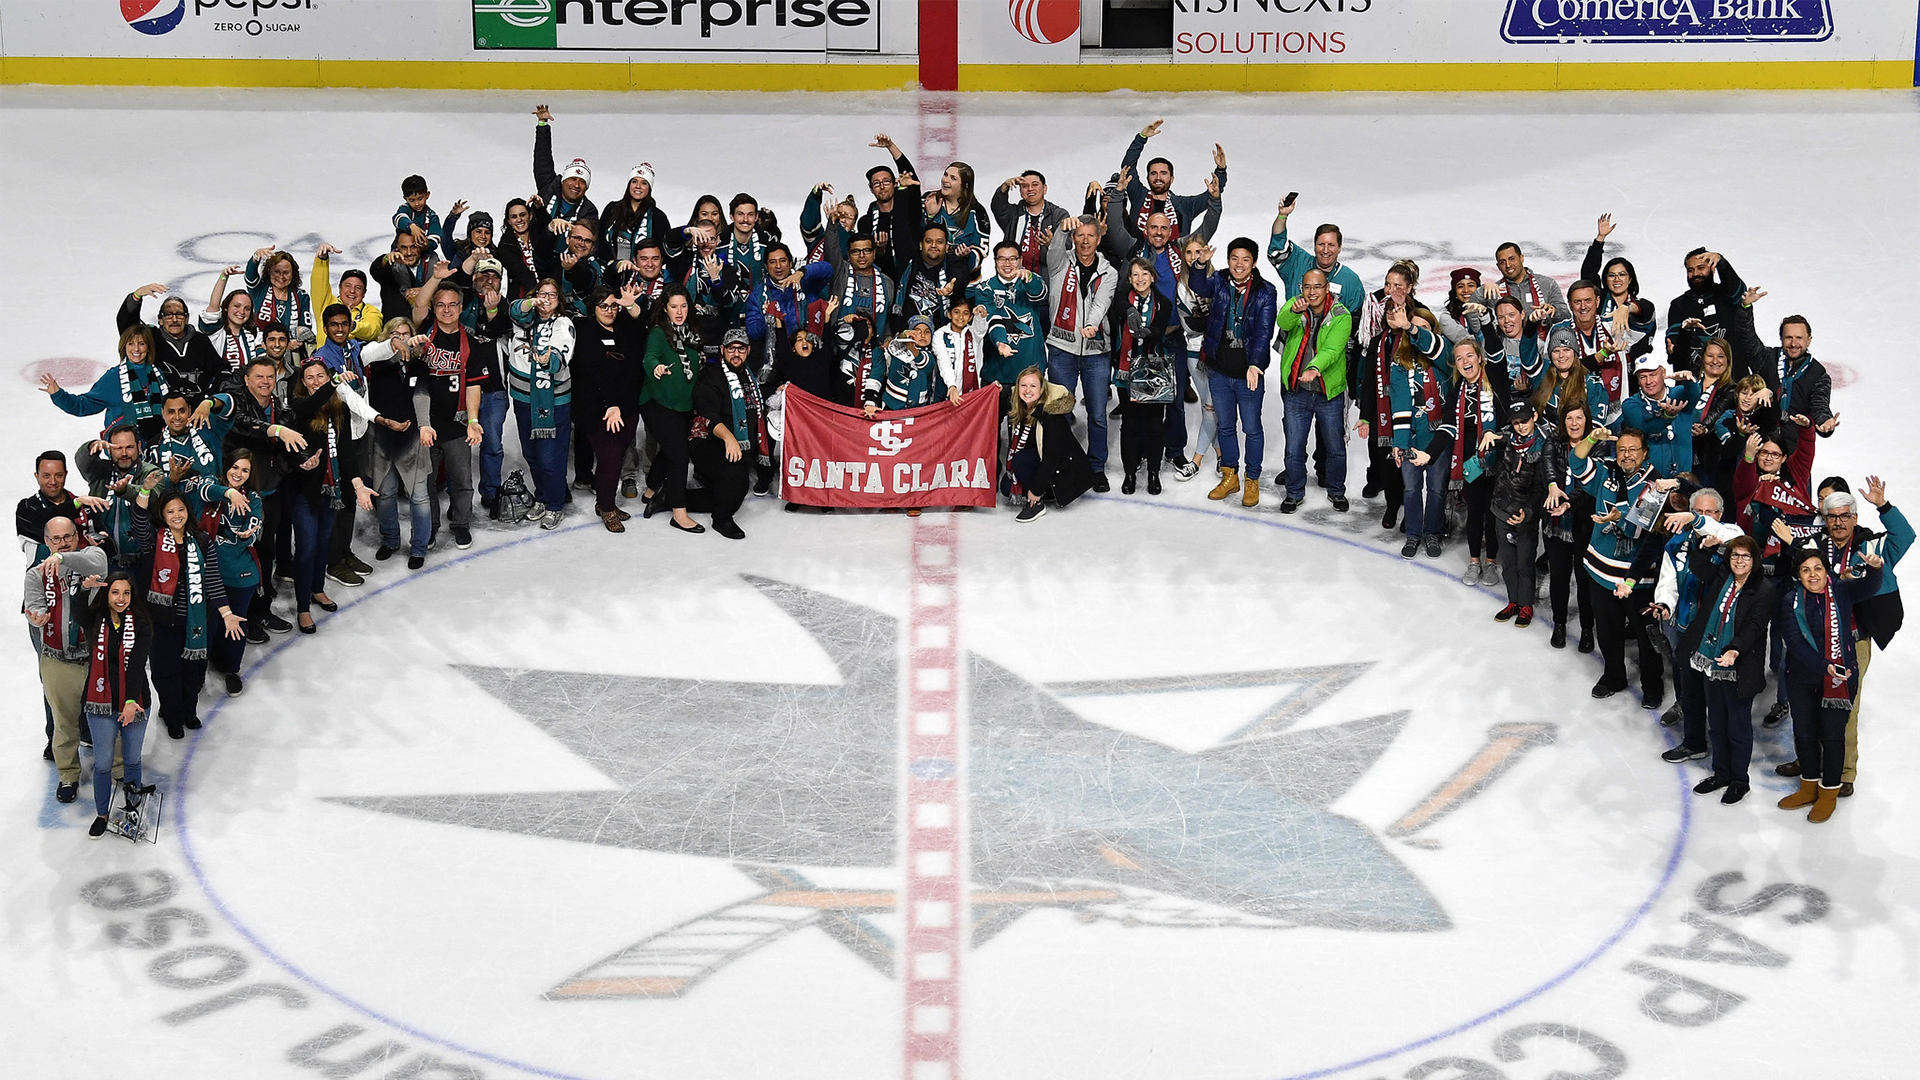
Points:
[[937, 455]]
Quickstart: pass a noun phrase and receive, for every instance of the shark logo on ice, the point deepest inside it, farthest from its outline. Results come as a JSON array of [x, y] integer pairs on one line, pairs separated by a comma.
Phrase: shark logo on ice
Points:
[[140, 14], [1562, 21], [1063, 812]]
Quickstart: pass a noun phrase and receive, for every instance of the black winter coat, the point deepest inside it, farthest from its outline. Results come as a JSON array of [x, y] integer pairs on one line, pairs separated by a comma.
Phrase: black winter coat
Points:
[[1753, 612]]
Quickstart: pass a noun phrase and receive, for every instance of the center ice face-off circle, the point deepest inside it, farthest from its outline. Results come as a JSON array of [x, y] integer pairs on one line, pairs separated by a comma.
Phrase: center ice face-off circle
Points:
[[1250, 854], [149, 16], [1045, 22]]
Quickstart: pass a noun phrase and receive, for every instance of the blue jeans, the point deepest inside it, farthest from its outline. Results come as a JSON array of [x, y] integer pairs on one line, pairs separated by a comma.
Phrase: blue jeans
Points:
[[1237, 408], [546, 458], [1093, 373], [493, 422], [312, 534], [1426, 499], [419, 510], [1304, 409], [132, 737]]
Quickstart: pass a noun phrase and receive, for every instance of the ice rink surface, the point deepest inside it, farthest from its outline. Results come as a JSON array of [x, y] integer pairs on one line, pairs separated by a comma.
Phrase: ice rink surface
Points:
[[1235, 796]]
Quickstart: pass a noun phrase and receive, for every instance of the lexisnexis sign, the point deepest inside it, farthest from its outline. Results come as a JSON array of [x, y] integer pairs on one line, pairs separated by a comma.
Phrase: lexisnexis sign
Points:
[[1634, 21], [672, 25]]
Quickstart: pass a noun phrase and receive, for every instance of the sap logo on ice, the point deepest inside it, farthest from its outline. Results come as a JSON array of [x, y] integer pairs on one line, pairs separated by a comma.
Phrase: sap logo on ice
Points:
[[887, 433], [1546, 21], [140, 14]]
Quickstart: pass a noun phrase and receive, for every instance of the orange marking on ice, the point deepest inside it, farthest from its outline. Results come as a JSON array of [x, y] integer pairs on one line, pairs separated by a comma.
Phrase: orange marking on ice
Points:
[[627, 987]]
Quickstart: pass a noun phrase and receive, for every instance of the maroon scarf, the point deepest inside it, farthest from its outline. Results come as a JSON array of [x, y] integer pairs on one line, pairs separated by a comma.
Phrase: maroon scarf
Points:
[[1067, 315], [1310, 323], [1481, 416], [1383, 350], [107, 671], [1834, 692], [1152, 205], [53, 636]]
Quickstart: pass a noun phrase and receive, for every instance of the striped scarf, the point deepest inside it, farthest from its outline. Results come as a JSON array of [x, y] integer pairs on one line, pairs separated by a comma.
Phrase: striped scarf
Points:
[[171, 561], [143, 387], [107, 671]]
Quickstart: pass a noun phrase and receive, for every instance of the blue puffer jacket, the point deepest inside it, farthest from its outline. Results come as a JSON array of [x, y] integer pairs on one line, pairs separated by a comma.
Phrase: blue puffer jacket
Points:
[[1256, 321]]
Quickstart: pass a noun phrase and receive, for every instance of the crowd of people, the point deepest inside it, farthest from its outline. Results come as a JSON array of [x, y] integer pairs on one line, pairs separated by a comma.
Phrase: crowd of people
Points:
[[1657, 486]]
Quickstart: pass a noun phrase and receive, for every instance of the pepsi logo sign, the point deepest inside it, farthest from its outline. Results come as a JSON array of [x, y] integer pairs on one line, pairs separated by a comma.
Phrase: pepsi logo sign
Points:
[[146, 16]]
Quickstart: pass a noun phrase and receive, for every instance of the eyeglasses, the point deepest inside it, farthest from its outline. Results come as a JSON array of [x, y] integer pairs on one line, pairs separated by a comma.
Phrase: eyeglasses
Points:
[[608, 305], [1837, 515], [582, 239], [1740, 555]]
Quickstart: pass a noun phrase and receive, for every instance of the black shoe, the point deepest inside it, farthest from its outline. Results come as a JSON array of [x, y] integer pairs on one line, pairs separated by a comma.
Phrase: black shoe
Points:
[[1787, 768], [326, 605], [1775, 715], [192, 723], [98, 828], [346, 575], [1683, 752], [1387, 519], [174, 731], [793, 508], [1846, 790], [1410, 548], [1153, 482], [1586, 640], [492, 507], [383, 553], [1100, 483], [462, 537], [696, 527], [257, 634], [48, 752], [1735, 792], [1525, 618], [66, 793], [1369, 491], [1030, 511], [629, 488], [272, 623], [1320, 480], [654, 505], [762, 487], [1127, 486], [1290, 505], [358, 564], [730, 530], [1671, 716], [1605, 689], [1506, 613], [309, 628], [1339, 503], [1653, 699], [1433, 547], [584, 483], [1710, 785], [235, 687], [433, 539], [1559, 638], [415, 562]]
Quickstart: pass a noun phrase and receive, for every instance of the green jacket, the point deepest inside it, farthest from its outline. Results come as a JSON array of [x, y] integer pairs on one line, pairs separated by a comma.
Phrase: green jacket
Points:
[[675, 388], [1329, 352]]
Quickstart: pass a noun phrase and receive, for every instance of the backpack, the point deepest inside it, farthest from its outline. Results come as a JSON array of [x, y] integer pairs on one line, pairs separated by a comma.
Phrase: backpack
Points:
[[516, 499]]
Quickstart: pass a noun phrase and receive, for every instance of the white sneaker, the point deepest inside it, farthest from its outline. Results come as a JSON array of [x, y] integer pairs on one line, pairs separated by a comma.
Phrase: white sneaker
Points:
[[1472, 574], [1185, 469], [550, 520]]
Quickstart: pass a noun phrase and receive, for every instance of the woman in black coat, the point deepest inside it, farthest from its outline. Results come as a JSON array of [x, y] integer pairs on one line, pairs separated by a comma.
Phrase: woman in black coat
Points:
[[610, 346], [1727, 642], [1138, 324], [1044, 460]]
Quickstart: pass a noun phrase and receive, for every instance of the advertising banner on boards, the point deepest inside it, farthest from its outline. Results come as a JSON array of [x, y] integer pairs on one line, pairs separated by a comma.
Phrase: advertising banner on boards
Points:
[[1536, 31]]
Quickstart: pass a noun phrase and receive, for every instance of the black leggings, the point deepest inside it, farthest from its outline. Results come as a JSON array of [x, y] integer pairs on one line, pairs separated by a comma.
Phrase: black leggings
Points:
[[668, 473], [1565, 575], [1142, 427], [1383, 473], [1483, 529]]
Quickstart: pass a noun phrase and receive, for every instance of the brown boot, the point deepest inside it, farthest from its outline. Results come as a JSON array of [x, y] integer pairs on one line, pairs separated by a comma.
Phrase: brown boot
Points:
[[1229, 483], [1250, 495], [1803, 797], [1823, 804], [611, 519]]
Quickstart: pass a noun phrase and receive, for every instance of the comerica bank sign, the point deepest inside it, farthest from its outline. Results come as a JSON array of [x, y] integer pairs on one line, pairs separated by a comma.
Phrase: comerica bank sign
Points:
[[703, 25], [1551, 21]]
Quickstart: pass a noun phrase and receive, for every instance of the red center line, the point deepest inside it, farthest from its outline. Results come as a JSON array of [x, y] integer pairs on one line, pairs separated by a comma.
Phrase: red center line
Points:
[[933, 911]]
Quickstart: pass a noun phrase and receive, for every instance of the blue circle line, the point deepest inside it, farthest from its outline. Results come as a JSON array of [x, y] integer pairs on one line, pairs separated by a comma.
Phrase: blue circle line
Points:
[[206, 886]]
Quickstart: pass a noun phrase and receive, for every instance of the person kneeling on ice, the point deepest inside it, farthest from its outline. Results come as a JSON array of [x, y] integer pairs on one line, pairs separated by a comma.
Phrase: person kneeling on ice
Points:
[[907, 376], [1044, 460], [1823, 671]]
